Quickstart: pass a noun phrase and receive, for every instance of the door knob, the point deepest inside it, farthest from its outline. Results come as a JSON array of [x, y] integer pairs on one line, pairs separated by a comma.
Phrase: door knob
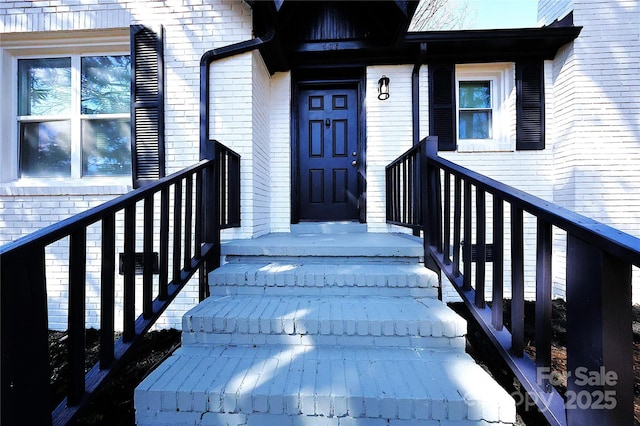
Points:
[[354, 163]]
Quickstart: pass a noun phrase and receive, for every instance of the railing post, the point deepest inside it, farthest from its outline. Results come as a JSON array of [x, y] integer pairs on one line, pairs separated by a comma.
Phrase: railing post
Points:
[[599, 336], [211, 213], [431, 203], [24, 347]]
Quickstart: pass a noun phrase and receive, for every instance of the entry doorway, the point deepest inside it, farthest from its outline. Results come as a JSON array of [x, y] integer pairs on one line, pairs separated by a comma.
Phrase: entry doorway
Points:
[[328, 152]]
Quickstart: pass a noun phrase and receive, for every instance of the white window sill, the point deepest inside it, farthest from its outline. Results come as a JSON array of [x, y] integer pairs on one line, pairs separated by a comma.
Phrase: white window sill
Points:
[[485, 146], [61, 186]]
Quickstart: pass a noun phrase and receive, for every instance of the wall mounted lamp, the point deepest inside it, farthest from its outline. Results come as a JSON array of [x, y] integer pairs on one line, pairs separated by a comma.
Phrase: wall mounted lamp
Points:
[[383, 88]]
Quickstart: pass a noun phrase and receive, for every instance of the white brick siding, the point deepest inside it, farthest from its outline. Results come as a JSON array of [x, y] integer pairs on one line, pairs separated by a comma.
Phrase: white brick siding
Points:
[[280, 110], [190, 30], [595, 114], [389, 134]]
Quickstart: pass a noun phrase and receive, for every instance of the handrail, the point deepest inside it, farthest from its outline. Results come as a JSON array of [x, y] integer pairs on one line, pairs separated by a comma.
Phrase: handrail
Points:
[[198, 202], [598, 280]]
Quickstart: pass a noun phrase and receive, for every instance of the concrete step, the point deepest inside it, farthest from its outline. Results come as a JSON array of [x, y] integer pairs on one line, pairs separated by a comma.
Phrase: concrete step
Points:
[[279, 278], [308, 385], [324, 321], [349, 247]]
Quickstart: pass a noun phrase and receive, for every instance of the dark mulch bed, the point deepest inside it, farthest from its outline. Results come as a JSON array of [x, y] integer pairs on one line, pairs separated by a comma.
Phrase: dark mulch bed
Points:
[[113, 404]]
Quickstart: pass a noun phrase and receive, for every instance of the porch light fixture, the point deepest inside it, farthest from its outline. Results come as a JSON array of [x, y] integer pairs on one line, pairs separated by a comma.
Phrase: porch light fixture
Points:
[[383, 88]]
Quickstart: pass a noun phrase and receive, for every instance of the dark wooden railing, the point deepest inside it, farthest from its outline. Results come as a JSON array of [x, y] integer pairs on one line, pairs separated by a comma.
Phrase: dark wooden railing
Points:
[[197, 202], [436, 196]]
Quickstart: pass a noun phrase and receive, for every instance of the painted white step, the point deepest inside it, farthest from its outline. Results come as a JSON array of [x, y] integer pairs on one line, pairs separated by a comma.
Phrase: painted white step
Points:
[[309, 385], [324, 320], [274, 278], [345, 246]]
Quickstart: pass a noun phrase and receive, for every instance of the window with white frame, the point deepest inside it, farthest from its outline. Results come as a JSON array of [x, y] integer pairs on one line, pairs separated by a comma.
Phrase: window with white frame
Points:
[[475, 109], [73, 116], [485, 102]]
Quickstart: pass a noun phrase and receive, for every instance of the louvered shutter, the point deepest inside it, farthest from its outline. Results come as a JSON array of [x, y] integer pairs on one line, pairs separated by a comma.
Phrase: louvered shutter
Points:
[[530, 105], [147, 105], [442, 105]]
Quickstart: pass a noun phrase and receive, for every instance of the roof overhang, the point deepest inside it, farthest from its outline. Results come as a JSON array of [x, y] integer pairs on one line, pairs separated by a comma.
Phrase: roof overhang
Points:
[[379, 42], [493, 45]]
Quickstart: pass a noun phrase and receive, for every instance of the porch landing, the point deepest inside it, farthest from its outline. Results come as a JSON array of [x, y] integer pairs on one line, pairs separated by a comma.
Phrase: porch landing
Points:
[[337, 328]]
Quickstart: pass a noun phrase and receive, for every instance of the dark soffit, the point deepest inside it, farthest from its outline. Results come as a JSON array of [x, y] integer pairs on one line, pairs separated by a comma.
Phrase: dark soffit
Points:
[[370, 40]]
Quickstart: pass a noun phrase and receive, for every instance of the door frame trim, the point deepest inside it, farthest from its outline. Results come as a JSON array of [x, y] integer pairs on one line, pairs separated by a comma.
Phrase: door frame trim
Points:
[[301, 80]]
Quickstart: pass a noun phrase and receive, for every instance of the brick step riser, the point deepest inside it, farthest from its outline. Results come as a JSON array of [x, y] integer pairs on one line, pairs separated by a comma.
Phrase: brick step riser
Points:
[[322, 275], [425, 342], [415, 292], [335, 327], [314, 260]]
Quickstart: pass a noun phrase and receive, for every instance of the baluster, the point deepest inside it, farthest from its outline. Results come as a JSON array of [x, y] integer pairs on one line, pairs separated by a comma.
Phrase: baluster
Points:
[[457, 213], [447, 218], [147, 259], [398, 198], [517, 282], [177, 228], [405, 203], [107, 291], [163, 279], [198, 225], [188, 222], [77, 301], [129, 315], [497, 304], [234, 189], [543, 302], [223, 190], [411, 191], [481, 233], [466, 247]]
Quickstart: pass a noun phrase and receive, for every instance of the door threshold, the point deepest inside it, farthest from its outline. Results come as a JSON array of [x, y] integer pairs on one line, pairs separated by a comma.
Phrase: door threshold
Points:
[[337, 227]]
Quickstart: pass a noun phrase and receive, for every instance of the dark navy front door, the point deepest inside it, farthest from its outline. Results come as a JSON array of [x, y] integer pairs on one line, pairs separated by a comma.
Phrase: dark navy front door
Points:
[[328, 154]]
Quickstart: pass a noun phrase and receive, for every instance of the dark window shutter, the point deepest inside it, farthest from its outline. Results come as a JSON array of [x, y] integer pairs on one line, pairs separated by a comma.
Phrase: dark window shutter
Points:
[[530, 105], [147, 104], [442, 105]]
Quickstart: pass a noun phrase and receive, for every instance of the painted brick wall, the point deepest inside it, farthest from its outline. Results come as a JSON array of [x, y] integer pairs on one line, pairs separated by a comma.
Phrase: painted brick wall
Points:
[[596, 115], [261, 147], [280, 154], [389, 134], [190, 30]]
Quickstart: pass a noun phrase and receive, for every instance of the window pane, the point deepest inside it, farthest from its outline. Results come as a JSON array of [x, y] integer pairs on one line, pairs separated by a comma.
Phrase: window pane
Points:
[[475, 94], [106, 147], [45, 148], [105, 84], [475, 125], [44, 86]]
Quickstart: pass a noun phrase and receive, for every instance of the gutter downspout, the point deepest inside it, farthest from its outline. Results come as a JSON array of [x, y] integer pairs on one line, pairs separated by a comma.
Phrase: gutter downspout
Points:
[[415, 93], [207, 151], [210, 190]]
